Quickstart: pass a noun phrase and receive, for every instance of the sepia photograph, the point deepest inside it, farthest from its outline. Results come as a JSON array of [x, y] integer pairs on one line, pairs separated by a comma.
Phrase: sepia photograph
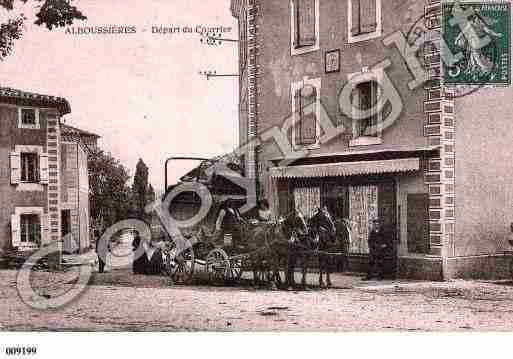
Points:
[[313, 168]]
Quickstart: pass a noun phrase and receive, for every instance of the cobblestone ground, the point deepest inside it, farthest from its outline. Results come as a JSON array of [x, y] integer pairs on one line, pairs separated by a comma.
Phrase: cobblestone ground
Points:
[[120, 301]]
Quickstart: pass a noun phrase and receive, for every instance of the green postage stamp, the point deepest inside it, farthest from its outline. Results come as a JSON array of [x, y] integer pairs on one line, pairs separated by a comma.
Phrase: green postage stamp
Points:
[[477, 38]]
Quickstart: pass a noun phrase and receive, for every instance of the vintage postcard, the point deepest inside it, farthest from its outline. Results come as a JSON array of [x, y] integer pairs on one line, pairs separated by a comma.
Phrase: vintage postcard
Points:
[[255, 166]]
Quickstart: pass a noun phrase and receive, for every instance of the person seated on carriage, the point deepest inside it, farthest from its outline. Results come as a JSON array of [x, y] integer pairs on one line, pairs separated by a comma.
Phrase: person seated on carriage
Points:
[[264, 214], [229, 222]]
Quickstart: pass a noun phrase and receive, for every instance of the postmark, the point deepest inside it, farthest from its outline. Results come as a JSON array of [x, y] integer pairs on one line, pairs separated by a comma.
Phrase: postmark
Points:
[[426, 40], [478, 36]]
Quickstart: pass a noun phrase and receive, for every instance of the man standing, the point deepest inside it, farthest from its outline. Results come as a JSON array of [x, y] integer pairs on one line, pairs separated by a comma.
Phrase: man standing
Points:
[[377, 247]]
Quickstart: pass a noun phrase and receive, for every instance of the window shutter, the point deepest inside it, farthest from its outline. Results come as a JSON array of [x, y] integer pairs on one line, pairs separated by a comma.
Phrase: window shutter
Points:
[[355, 17], [309, 118], [297, 117], [367, 16], [305, 23], [15, 167], [43, 168], [15, 230]]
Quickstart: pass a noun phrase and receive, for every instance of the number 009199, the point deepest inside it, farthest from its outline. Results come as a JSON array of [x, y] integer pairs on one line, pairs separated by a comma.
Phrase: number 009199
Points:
[[20, 351]]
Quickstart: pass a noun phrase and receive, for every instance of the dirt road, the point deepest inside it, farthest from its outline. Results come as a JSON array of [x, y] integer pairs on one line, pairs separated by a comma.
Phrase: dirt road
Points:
[[121, 301]]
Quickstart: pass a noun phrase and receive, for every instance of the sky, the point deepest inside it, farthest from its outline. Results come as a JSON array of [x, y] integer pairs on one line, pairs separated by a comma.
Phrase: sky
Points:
[[140, 92]]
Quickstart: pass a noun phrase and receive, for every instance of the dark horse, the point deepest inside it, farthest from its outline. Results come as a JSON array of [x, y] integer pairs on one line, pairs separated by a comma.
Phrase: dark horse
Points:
[[296, 231], [273, 243], [324, 234], [333, 237]]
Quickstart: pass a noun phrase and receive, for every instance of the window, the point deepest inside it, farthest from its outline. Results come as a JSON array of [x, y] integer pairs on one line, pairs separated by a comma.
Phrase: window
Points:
[[28, 118], [364, 19], [30, 229], [29, 167], [306, 112], [305, 26], [365, 97]]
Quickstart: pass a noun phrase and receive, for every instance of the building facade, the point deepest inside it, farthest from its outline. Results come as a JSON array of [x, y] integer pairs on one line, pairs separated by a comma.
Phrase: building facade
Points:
[[76, 145], [36, 173], [430, 175]]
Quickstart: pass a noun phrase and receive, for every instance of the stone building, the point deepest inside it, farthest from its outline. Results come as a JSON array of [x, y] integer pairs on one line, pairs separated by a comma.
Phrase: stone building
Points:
[[438, 176], [76, 144], [43, 166]]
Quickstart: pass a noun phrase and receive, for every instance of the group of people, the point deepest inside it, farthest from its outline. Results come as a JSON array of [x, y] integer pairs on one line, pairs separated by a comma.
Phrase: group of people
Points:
[[229, 219]]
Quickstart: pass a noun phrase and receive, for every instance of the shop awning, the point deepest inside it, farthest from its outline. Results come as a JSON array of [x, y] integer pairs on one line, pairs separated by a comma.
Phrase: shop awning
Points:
[[343, 169]]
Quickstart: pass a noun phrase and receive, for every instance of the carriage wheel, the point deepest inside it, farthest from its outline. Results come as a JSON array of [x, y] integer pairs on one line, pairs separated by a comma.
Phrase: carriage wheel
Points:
[[180, 267], [236, 269], [218, 265]]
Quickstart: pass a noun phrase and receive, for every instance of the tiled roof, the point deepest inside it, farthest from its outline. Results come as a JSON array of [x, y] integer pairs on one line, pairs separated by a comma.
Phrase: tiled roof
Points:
[[15, 95], [67, 129]]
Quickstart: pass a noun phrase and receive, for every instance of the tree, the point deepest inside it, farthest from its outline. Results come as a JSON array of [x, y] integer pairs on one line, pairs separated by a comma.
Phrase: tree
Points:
[[109, 192], [50, 13], [140, 188], [150, 195]]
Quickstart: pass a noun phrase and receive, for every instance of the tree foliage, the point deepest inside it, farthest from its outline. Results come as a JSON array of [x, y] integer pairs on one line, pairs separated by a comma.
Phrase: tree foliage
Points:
[[110, 195], [49, 13], [140, 188]]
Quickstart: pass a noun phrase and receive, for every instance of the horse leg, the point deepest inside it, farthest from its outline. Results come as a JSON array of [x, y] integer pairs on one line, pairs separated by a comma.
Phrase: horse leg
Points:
[[255, 276], [291, 262], [276, 272], [321, 269], [304, 268], [328, 270]]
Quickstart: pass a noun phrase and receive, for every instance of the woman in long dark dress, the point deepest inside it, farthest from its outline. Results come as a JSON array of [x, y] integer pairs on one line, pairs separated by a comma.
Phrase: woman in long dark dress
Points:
[[140, 263]]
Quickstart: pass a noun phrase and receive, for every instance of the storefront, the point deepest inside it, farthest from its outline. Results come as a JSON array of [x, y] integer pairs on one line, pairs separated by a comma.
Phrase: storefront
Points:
[[360, 191]]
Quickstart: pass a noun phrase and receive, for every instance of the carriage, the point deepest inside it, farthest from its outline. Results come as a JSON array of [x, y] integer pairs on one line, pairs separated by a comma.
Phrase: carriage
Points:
[[223, 260]]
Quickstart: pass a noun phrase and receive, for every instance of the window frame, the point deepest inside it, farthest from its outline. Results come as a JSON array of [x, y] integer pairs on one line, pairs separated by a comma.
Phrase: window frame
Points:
[[304, 49], [39, 212], [35, 126], [365, 75], [32, 186], [29, 229], [367, 36], [37, 178], [296, 86]]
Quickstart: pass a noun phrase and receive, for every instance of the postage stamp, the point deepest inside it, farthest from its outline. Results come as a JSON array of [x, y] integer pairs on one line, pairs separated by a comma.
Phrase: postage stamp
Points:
[[478, 35]]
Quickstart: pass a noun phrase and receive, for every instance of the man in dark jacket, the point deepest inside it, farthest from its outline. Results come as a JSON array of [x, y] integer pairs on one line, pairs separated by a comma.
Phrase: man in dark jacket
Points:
[[229, 221], [377, 248]]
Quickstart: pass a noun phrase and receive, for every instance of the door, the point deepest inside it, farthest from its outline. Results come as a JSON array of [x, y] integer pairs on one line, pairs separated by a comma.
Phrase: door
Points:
[[388, 216], [418, 223], [65, 222], [68, 245]]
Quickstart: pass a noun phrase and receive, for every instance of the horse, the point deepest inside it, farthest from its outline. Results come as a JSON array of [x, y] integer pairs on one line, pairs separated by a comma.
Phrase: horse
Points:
[[324, 234], [273, 243], [296, 231]]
